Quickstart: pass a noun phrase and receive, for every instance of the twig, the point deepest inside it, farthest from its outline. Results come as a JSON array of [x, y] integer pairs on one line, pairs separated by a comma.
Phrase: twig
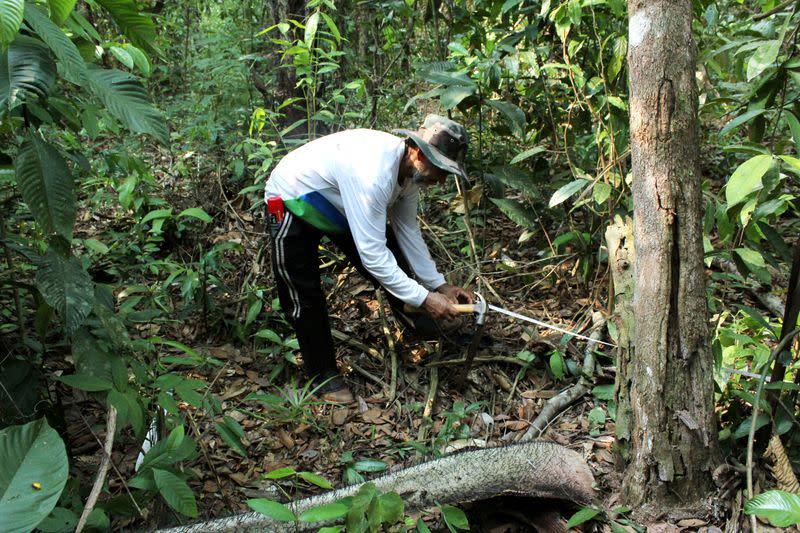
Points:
[[116, 470], [344, 337], [751, 435], [367, 374], [461, 361], [111, 427], [390, 345], [430, 401]]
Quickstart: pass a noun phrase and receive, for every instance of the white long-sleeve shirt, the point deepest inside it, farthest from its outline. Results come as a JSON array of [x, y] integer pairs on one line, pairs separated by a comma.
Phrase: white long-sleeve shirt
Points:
[[348, 181]]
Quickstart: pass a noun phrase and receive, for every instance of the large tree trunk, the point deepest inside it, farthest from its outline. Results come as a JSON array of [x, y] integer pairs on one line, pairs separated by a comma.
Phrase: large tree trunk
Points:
[[673, 436]]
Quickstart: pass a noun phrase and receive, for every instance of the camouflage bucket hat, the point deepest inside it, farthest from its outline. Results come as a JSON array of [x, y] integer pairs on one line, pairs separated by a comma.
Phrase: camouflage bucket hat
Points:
[[443, 141]]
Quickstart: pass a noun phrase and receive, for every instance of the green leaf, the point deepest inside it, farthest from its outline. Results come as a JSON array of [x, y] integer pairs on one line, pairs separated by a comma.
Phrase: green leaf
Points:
[[452, 96], [274, 510], [392, 507], [763, 57], [794, 127], [61, 520], [513, 114], [526, 154], [516, 212], [370, 465], [128, 100], [269, 335], [33, 472], [517, 179], [26, 68], [196, 212], [618, 57], [323, 513], [315, 479], [230, 436], [332, 26], [66, 287], [454, 517], [10, 20], [557, 365], [138, 27], [86, 382], [603, 392], [280, 473], [123, 56], [73, 67], [139, 59], [584, 515], [747, 178], [781, 508], [601, 192], [311, 29], [46, 185], [176, 492], [566, 191], [156, 214], [741, 119], [60, 9]]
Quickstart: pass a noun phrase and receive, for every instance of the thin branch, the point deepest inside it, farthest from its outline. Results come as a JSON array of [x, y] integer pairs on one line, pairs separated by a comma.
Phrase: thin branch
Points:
[[111, 427]]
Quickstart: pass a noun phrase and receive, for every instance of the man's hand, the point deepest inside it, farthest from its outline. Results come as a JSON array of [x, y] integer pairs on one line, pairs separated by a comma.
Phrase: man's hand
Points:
[[455, 294], [439, 306]]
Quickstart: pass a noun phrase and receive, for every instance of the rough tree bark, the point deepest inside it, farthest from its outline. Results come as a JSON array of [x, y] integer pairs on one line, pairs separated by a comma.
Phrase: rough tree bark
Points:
[[673, 437]]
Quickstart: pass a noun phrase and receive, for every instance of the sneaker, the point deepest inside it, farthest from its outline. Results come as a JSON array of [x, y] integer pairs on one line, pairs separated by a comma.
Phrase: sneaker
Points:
[[334, 390]]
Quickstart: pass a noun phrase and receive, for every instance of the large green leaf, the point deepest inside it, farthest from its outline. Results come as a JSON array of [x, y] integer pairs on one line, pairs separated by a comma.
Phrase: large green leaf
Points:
[[127, 100], [763, 57], [562, 194], [176, 492], [779, 507], [33, 472], [66, 287], [274, 510], [60, 9], [46, 185], [25, 68], [747, 178], [516, 212], [10, 20], [513, 114], [137, 26], [73, 67]]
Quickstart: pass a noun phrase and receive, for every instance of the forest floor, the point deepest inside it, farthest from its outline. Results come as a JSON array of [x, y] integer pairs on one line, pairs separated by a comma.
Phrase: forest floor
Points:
[[427, 412]]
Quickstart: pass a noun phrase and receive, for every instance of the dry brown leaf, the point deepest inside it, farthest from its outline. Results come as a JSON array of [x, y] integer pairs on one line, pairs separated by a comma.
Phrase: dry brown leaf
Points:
[[372, 416], [285, 439], [339, 416]]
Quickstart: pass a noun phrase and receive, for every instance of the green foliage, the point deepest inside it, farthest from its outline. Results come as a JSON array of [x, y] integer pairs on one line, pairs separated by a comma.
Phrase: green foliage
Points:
[[781, 508], [33, 472]]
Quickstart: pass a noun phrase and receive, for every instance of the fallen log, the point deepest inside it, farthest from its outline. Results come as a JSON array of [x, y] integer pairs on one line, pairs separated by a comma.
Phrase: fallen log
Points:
[[535, 469]]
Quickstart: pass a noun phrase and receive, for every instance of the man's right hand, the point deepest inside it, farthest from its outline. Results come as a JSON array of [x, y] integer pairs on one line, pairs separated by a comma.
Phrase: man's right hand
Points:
[[439, 307]]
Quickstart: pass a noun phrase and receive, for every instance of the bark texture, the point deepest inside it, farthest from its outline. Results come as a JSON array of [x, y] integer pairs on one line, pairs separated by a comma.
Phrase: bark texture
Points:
[[535, 468], [673, 436]]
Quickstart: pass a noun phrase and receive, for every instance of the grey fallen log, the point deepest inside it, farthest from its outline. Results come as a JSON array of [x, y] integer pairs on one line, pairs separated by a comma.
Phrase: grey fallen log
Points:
[[536, 469]]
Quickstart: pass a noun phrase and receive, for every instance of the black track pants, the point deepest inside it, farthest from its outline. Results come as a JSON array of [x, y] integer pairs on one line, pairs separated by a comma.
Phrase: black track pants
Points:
[[295, 262]]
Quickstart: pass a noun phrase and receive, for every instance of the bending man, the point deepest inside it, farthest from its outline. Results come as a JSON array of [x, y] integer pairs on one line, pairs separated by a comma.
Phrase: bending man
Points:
[[360, 188]]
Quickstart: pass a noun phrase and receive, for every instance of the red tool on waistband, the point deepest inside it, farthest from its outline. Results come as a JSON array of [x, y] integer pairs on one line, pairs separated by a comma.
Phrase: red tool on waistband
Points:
[[275, 209]]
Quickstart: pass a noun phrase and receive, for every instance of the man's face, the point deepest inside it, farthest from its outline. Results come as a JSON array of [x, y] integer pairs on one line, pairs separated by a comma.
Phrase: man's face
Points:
[[426, 173]]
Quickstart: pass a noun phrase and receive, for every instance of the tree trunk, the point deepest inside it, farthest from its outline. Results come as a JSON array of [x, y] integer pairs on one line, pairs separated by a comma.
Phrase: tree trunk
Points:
[[673, 436]]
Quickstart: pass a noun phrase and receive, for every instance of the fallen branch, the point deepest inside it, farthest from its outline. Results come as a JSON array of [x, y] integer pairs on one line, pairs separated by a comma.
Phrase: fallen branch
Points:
[[111, 427], [558, 403], [534, 469], [771, 303]]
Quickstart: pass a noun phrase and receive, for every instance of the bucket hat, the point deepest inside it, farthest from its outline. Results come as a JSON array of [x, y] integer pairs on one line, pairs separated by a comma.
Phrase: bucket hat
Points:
[[443, 141]]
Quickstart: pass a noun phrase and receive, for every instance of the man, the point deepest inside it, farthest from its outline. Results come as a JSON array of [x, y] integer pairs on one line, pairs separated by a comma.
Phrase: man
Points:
[[347, 186]]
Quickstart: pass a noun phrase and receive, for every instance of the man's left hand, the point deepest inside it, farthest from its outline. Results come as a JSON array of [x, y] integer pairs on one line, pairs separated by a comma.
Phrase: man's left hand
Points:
[[456, 294]]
